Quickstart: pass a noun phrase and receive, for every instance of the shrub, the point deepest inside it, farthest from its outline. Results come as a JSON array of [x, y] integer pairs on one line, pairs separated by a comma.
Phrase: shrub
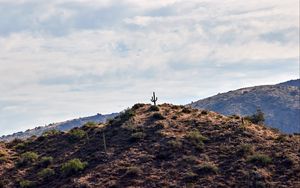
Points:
[[189, 159], [27, 158], [76, 134], [137, 136], [257, 118], [153, 108], [186, 110], [281, 138], [3, 156], [245, 149], [158, 116], [26, 184], [133, 171], [206, 168], [90, 124], [46, 173], [174, 144], [20, 146], [196, 139], [190, 177], [137, 106], [46, 161], [260, 159], [51, 132], [73, 166], [204, 112], [126, 115]]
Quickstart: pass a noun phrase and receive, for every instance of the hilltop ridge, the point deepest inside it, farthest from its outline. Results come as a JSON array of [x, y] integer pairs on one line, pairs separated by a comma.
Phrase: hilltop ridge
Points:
[[156, 146]]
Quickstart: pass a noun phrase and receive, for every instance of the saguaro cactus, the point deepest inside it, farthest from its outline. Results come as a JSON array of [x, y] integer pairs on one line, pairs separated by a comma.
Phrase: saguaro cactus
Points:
[[154, 99]]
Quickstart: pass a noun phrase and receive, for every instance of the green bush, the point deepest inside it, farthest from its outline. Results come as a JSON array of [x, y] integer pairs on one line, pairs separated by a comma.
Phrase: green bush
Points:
[[3, 156], [46, 161], [137, 136], [46, 173], [260, 159], [20, 146], [90, 124], [27, 158], [26, 184], [76, 134], [51, 132], [73, 166], [196, 139]]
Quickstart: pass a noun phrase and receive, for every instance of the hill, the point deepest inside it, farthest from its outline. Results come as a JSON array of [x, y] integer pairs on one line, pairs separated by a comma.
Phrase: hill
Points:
[[62, 126], [148, 146], [280, 103]]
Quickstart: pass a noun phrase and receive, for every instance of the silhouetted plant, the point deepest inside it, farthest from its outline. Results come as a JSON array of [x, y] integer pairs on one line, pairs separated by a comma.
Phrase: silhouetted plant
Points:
[[154, 99]]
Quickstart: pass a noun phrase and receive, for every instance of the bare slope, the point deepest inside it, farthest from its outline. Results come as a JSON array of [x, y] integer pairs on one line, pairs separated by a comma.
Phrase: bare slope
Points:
[[169, 146]]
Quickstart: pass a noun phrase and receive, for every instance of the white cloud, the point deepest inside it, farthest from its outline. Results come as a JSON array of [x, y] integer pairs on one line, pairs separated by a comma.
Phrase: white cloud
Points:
[[64, 59]]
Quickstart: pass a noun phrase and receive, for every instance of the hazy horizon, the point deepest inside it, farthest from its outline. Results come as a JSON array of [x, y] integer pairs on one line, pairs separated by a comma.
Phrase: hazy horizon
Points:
[[65, 59]]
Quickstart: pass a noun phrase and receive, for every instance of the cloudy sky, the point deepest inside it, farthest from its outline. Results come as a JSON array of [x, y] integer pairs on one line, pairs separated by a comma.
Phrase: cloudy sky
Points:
[[63, 59]]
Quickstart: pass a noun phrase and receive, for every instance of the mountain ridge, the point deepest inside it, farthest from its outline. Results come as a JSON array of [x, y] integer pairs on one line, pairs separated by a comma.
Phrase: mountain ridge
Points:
[[279, 102], [62, 126]]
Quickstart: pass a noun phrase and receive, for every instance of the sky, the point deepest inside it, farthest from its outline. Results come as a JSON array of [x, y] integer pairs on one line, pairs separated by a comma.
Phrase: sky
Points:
[[63, 59]]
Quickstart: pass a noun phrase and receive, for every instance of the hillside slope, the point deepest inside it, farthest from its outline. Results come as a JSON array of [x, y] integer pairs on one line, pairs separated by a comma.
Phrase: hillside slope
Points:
[[169, 146], [280, 103], [62, 126]]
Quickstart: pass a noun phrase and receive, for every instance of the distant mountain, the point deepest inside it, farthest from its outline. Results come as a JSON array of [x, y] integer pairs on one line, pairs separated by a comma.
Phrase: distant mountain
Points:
[[156, 146], [62, 126], [280, 103], [295, 83]]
